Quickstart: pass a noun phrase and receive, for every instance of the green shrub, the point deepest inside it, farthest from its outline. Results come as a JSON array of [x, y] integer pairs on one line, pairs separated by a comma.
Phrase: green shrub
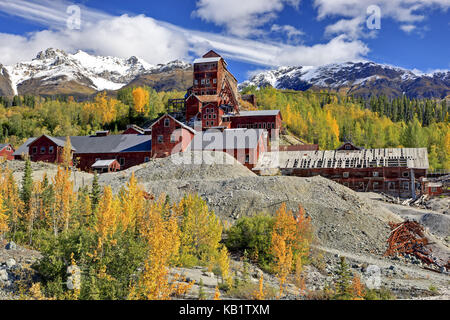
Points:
[[379, 294], [253, 234]]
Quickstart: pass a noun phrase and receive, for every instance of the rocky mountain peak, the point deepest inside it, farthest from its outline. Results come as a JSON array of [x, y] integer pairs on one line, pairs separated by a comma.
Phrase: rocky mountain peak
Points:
[[50, 53]]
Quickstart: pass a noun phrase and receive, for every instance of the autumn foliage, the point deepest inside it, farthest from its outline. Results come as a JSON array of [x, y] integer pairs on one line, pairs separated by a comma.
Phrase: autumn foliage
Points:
[[141, 99], [291, 239]]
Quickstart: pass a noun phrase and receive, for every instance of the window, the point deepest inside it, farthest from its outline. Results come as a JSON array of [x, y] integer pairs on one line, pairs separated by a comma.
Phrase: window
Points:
[[122, 161], [273, 125], [347, 147], [247, 158], [203, 81], [167, 122], [8, 149], [375, 185], [34, 150], [405, 174], [196, 81], [173, 138], [214, 116], [375, 174], [346, 174], [207, 81], [214, 81], [209, 116], [405, 185], [205, 117], [43, 150], [50, 149], [160, 139], [147, 159], [433, 189]]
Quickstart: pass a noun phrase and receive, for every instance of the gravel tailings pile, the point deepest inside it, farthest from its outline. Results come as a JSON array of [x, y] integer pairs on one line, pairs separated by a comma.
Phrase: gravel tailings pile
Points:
[[199, 166], [341, 218]]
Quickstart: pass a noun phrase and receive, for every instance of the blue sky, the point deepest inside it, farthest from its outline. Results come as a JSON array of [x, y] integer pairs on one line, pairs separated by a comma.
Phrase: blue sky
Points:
[[251, 34]]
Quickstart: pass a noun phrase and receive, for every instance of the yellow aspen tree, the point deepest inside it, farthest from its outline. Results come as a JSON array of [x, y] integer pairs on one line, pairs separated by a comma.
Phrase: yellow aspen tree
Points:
[[260, 294], [163, 238], [288, 244], [66, 157], [201, 231], [223, 261], [107, 219], [141, 98], [302, 244], [64, 199], [133, 204], [11, 199], [3, 218]]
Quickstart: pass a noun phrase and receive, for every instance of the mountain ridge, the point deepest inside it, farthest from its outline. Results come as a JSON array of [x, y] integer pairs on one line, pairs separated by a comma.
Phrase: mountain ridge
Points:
[[55, 72], [358, 78]]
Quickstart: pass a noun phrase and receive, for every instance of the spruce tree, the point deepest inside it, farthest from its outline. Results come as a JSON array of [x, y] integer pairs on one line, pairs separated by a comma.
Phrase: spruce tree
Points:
[[95, 192], [27, 185], [344, 281]]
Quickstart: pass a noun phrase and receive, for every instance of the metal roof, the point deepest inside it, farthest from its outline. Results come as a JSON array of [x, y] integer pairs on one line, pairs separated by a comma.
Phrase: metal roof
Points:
[[3, 145], [103, 163], [229, 139], [23, 149], [207, 60], [102, 144], [414, 158], [258, 113]]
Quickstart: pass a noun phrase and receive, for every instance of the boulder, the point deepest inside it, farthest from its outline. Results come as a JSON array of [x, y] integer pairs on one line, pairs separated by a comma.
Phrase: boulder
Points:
[[3, 275], [10, 263], [11, 246]]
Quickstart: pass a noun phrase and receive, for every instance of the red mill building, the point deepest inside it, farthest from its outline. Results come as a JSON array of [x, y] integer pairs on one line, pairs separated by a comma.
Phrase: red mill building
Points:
[[213, 99], [398, 172]]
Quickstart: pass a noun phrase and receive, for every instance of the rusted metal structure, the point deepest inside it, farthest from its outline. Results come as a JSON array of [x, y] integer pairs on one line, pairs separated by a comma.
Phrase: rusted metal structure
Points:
[[408, 238]]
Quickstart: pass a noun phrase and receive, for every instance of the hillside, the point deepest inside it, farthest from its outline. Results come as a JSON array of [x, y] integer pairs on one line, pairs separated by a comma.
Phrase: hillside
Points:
[[356, 78]]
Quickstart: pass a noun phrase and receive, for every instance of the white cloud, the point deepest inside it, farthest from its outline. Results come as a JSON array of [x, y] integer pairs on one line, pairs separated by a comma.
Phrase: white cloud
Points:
[[241, 17], [408, 28], [292, 33], [350, 27], [159, 42], [118, 36], [355, 13], [400, 10]]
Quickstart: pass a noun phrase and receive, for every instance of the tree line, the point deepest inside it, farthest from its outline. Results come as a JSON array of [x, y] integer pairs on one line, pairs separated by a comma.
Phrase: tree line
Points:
[[323, 118]]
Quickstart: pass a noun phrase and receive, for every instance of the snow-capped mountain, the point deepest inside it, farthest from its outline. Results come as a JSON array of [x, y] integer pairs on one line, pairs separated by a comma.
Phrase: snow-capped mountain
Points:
[[55, 71], [359, 78]]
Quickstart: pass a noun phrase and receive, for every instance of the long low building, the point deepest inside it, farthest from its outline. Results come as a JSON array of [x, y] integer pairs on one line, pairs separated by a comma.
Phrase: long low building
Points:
[[398, 172], [129, 150]]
